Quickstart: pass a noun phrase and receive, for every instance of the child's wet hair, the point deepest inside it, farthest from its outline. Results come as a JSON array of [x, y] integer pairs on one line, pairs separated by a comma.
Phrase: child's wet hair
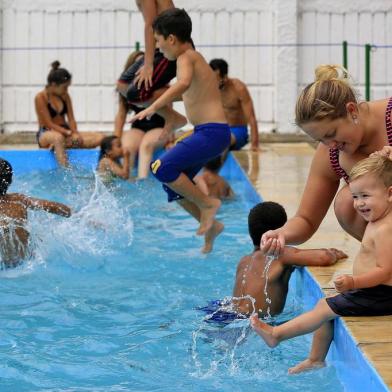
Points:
[[215, 164], [6, 173], [174, 21], [263, 217], [58, 75], [220, 65], [106, 146]]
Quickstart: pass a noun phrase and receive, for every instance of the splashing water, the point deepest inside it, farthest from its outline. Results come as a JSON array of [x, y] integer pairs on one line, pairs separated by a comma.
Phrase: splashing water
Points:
[[269, 259]]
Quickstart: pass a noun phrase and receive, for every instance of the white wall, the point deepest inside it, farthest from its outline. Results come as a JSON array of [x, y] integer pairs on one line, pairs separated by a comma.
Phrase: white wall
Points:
[[36, 33]]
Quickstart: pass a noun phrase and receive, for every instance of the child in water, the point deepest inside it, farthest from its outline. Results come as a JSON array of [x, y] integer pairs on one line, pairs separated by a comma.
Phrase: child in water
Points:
[[211, 183], [14, 236], [255, 281], [109, 158]]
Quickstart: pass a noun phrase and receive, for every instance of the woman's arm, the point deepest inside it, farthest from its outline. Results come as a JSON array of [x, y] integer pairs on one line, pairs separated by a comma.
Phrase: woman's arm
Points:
[[320, 189], [41, 108]]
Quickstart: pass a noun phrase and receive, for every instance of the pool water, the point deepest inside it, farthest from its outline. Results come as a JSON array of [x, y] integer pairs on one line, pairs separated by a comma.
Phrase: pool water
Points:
[[108, 301]]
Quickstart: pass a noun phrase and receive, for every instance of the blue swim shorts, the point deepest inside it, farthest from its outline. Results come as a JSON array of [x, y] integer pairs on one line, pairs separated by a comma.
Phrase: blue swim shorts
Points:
[[190, 154], [220, 312], [240, 133]]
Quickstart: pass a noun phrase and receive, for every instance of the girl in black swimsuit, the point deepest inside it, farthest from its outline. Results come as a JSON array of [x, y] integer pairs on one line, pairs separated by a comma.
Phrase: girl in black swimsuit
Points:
[[144, 137], [57, 125]]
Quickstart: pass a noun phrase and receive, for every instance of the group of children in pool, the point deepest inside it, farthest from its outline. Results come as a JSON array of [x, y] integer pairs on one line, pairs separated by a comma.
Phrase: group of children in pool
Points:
[[367, 292]]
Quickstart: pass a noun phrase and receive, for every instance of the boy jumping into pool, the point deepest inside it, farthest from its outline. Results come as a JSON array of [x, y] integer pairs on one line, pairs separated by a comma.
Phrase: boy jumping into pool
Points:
[[368, 292], [253, 283], [197, 85], [13, 218]]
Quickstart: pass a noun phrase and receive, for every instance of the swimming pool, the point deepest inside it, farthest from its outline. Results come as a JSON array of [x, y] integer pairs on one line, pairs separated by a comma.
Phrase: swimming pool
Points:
[[108, 301]]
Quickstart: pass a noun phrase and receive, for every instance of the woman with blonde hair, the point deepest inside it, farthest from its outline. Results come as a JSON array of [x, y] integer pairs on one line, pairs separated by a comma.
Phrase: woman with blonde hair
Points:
[[348, 130]]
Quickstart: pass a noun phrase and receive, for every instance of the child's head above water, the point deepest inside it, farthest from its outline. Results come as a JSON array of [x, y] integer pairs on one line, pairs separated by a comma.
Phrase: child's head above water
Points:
[[111, 148], [5, 176], [378, 166], [263, 217]]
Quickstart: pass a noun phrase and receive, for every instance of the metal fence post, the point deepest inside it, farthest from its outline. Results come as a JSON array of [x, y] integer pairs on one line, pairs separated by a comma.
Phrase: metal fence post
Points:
[[368, 49], [345, 53]]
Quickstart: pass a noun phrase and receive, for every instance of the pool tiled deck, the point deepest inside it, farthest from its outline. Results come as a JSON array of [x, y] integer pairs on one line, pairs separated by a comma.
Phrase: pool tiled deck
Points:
[[279, 173]]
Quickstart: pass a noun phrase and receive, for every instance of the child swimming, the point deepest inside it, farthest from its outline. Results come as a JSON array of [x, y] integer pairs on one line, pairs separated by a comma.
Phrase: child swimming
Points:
[[109, 158], [14, 238]]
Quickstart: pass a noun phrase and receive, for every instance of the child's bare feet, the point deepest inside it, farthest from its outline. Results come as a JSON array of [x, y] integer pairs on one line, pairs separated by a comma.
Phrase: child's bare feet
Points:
[[210, 236], [207, 216], [264, 330], [308, 364]]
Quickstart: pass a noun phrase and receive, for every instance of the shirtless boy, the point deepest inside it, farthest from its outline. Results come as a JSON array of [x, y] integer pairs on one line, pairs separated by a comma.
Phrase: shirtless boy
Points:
[[197, 85], [238, 107], [13, 218]]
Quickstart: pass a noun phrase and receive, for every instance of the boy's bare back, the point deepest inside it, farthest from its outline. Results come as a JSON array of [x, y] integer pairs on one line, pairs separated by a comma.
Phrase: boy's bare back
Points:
[[14, 238], [13, 218], [251, 280], [202, 98]]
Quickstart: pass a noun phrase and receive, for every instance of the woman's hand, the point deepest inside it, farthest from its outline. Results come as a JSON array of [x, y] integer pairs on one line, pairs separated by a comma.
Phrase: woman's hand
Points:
[[272, 243], [386, 152]]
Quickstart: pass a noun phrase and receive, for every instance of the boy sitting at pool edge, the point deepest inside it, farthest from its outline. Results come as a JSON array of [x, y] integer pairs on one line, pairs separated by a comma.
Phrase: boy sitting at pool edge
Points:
[[368, 292], [14, 236], [251, 275], [253, 282], [197, 85]]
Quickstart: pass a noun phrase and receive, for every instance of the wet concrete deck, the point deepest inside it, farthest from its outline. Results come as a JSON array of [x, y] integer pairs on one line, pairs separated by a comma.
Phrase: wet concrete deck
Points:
[[279, 173]]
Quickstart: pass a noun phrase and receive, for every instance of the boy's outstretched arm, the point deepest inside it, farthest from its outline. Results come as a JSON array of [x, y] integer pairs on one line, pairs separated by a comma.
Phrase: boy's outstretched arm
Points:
[[184, 80], [47, 205], [311, 257]]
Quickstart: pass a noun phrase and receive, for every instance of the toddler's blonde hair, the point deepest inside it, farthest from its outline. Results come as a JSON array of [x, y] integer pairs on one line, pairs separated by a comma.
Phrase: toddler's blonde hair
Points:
[[377, 165]]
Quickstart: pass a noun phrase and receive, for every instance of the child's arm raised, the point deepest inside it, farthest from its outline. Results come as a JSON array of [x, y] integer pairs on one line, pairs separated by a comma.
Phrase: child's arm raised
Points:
[[184, 80], [46, 205], [311, 257], [381, 273]]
